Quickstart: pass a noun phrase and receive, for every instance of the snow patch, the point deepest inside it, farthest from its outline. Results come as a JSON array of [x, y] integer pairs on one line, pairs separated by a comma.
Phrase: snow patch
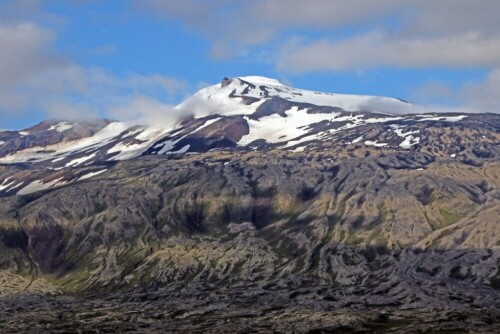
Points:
[[409, 139], [38, 185], [307, 138], [256, 80], [184, 149], [6, 185], [60, 127], [76, 162], [442, 118], [114, 131], [347, 102], [357, 140], [168, 145], [92, 174], [298, 123], [409, 142], [375, 143]]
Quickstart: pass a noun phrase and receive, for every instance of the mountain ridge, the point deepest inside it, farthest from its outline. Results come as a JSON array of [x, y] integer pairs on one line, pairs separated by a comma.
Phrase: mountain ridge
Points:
[[246, 113]]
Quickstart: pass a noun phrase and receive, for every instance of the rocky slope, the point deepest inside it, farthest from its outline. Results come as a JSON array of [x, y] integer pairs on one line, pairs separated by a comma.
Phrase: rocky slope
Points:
[[363, 228]]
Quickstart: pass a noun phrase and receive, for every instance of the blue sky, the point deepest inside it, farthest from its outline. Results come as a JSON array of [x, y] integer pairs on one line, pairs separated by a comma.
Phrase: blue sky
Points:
[[65, 59]]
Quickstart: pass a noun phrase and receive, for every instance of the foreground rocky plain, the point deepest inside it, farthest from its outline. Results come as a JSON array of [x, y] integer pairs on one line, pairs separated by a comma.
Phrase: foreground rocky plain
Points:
[[351, 238]]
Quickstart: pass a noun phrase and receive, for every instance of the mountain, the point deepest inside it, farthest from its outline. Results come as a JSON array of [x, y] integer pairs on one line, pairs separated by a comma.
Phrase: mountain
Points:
[[244, 113], [241, 112], [264, 208]]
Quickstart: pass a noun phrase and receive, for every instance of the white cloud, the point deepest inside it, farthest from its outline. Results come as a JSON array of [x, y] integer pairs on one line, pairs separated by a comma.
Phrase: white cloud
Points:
[[410, 34], [413, 33], [36, 80], [234, 26], [74, 91], [25, 52], [148, 111], [474, 96], [379, 50], [483, 96], [284, 14], [13, 11]]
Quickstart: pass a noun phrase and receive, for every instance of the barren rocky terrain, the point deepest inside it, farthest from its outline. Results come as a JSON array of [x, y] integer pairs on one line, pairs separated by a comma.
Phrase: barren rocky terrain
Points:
[[270, 215], [360, 239]]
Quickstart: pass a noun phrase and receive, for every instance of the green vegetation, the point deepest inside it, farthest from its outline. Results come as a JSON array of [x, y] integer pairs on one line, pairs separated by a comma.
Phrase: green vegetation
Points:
[[377, 238], [353, 238], [449, 218]]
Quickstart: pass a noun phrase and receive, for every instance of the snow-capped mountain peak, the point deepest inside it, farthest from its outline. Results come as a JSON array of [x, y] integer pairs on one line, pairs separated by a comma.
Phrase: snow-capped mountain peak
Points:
[[261, 81], [242, 95], [244, 112]]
